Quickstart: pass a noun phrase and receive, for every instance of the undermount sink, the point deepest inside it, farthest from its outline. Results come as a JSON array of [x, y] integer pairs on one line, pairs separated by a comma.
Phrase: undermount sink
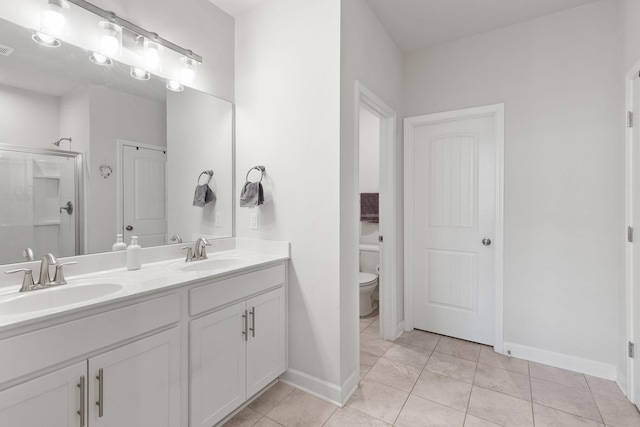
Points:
[[60, 296], [213, 264]]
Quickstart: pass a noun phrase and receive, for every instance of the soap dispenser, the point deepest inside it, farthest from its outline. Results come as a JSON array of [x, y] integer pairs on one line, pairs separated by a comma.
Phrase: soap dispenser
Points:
[[119, 245], [133, 254]]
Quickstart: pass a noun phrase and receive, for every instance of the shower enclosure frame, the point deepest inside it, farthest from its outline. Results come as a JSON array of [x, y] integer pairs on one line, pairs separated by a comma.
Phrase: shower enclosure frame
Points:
[[78, 177]]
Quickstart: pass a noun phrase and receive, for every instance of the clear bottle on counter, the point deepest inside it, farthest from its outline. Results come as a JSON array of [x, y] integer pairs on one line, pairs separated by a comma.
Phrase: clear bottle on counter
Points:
[[133, 254], [119, 245]]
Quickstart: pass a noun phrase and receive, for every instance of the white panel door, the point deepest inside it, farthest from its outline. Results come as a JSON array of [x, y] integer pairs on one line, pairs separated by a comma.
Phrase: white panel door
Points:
[[218, 365], [454, 199], [635, 188], [144, 195], [137, 385], [52, 400], [266, 346]]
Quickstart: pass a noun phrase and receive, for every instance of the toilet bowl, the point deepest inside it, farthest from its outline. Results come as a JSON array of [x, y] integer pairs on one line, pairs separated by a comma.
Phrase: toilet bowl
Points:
[[368, 284]]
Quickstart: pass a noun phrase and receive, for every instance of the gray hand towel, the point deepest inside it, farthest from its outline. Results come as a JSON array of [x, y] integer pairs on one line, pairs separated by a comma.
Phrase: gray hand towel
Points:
[[203, 195], [369, 207], [252, 194]]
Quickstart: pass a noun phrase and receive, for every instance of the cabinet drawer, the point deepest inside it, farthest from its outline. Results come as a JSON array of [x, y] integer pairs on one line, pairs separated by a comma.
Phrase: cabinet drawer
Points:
[[23, 354], [217, 294]]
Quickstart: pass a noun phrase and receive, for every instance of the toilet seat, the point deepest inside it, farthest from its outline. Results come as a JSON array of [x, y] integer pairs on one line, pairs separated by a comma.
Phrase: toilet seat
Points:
[[367, 279]]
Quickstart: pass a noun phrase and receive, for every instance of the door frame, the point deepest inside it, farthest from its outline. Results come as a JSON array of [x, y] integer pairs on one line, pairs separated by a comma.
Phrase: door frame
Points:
[[389, 329], [631, 75], [410, 123], [120, 144]]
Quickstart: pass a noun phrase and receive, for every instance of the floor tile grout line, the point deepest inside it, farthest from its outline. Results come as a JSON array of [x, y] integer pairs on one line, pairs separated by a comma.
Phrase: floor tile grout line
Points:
[[412, 388], [329, 417], [594, 398], [574, 415], [473, 380]]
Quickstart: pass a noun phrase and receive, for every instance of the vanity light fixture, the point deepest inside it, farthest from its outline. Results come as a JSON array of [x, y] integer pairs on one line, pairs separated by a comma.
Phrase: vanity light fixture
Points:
[[188, 71], [140, 74], [54, 21], [44, 39], [53, 17], [100, 59], [174, 86], [110, 39], [152, 54], [135, 29]]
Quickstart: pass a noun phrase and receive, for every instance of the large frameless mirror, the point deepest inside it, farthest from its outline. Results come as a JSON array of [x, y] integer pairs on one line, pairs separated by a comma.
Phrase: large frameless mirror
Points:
[[140, 147]]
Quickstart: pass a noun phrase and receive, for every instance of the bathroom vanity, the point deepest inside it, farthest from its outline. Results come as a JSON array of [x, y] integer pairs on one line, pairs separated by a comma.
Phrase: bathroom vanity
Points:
[[172, 344]]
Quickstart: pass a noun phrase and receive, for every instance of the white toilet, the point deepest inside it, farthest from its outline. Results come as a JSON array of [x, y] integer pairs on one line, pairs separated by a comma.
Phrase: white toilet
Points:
[[368, 284]]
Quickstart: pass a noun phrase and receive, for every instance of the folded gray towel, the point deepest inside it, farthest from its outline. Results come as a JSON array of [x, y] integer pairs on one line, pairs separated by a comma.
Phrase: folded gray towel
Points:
[[252, 194], [203, 195], [369, 207]]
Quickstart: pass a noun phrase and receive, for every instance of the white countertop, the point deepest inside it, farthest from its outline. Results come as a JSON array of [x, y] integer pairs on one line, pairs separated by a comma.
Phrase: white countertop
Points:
[[235, 255]]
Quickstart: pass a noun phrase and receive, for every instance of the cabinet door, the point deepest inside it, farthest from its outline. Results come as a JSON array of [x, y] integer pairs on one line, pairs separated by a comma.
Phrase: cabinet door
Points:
[[138, 384], [266, 346], [218, 358], [52, 400]]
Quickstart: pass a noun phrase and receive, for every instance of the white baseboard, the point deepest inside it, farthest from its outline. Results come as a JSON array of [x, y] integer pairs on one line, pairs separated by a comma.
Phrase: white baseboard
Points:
[[322, 389], [399, 329], [621, 380], [564, 361]]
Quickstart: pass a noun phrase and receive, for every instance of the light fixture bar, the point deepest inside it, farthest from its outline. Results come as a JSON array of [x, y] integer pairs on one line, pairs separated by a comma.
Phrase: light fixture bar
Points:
[[112, 17]]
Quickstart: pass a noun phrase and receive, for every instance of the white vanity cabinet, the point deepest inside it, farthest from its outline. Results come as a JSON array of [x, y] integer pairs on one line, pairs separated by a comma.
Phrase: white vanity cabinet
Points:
[[126, 365], [53, 400], [238, 350], [135, 385], [140, 382]]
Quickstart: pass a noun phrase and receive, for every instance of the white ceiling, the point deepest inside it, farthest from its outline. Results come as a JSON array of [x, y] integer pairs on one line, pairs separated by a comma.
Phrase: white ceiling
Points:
[[236, 7], [417, 24]]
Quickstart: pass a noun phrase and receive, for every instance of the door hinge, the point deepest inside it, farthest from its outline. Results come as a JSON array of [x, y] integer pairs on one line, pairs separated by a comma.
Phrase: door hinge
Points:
[[629, 119], [380, 239], [630, 234], [632, 350]]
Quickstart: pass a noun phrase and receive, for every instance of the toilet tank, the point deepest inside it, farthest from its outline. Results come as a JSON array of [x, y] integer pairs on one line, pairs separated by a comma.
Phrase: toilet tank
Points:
[[369, 258]]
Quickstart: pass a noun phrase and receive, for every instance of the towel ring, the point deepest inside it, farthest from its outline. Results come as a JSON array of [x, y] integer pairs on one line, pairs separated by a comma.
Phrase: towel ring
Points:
[[208, 172], [260, 168]]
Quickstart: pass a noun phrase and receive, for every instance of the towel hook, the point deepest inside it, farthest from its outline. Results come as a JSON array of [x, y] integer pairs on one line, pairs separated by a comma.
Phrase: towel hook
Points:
[[207, 172], [260, 168]]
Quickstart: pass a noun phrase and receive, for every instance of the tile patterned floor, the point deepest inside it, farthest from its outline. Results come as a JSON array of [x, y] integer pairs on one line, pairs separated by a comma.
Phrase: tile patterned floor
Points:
[[425, 379]]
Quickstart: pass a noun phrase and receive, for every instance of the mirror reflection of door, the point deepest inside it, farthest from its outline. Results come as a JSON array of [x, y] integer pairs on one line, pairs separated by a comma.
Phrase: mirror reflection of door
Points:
[[144, 195]]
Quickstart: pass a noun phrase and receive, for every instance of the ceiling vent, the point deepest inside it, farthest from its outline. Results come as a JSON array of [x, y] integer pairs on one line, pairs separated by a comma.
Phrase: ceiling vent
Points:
[[6, 50]]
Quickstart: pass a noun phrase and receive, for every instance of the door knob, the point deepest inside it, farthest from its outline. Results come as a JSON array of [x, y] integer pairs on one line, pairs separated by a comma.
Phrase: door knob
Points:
[[68, 207], [129, 228], [486, 241]]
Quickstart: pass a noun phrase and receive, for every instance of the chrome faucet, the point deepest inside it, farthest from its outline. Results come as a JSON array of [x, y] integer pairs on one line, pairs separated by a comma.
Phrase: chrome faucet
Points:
[[200, 251], [28, 254], [45, 278], [176, 238]]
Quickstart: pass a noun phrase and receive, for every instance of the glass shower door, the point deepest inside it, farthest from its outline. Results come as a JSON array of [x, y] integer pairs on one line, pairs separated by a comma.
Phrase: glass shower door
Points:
[[39, 209]]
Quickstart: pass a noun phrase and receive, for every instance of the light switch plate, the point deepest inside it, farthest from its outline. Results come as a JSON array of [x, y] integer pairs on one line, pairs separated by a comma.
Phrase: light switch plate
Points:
[[218, 222], [253, 221]]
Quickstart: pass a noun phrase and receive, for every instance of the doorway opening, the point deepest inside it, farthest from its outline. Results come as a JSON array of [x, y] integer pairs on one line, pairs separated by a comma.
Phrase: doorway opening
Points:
[[375, 169]]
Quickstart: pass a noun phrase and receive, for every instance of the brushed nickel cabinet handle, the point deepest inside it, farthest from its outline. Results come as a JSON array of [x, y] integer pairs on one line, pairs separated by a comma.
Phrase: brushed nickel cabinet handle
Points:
[[246, 325], [81, 411], [100, 403], [253, 321]]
